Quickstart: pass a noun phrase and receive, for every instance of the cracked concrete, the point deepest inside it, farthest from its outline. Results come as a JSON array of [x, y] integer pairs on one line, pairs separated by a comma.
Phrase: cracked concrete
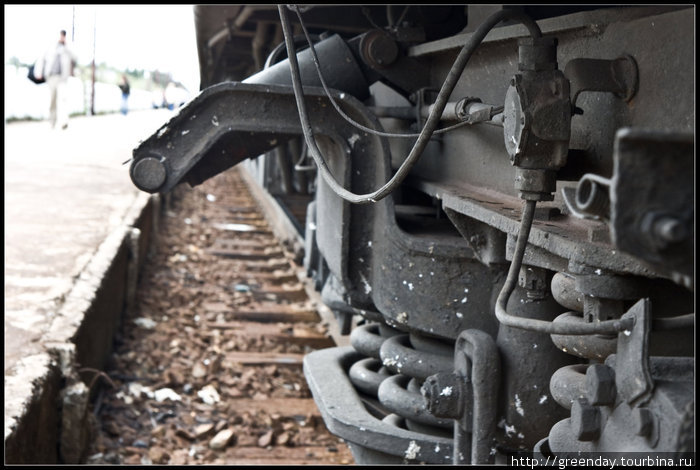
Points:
[[69, 209]]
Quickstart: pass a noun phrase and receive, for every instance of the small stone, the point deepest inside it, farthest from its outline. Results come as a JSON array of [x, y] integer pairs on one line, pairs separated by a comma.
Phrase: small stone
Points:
[[158, 455], [133, 459], [179, 457], [203, 430], [266, 439], [111, 428], [283, 439], [185, 434], [221, 440], [176, 377], [198, 371], [158, 431], [221, 425]]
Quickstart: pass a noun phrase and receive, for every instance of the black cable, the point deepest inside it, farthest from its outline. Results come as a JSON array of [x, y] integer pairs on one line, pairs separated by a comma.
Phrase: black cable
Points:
[[542, 326], [350, 120], [431, 124]]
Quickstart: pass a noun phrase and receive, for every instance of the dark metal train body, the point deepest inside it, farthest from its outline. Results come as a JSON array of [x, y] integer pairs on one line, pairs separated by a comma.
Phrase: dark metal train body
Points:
[[526, 282]]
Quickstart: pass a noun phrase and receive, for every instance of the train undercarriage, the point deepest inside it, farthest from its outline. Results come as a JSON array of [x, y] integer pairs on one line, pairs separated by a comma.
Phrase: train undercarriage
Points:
[[497, 203]]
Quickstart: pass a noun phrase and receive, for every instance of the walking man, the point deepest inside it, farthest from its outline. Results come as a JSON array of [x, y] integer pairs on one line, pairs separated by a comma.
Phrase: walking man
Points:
[[56, 66]]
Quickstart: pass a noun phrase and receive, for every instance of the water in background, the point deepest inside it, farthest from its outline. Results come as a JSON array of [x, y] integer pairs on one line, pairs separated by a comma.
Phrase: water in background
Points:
[[25, 99]]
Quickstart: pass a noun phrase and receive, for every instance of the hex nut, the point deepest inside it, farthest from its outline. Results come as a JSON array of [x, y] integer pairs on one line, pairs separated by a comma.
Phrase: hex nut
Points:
[[600, 385], [585, 420], [443, 395]]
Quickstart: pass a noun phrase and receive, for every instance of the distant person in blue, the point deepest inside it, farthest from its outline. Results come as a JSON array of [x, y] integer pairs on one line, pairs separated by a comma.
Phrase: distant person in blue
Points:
[[56, 65], [124, 87]]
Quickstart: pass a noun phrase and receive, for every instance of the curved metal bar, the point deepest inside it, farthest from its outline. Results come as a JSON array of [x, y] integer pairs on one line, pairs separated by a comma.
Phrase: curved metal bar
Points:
[[398, 355], [395, 397], [366, 376], [477, 351], [346, 416], [367, 339], [568, 384], [559, 328]]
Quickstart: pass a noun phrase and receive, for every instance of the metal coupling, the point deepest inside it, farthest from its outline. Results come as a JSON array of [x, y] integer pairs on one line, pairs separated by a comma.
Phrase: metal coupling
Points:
[[535, 185], [443, 393]]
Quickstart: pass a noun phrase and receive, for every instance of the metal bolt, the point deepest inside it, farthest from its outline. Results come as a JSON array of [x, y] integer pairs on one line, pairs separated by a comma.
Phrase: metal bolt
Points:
[[148, 174], [443, 395], [670, 229], [600, 385], [585, 420], [643, 422], [662, 230], [379, 49]]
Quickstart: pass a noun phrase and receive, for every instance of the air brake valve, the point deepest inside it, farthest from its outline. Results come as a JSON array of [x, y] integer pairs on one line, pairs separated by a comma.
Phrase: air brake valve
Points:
[[537, 119]]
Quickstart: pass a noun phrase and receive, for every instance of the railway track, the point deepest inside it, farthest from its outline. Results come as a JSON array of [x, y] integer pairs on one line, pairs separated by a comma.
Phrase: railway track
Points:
[[208, 366]]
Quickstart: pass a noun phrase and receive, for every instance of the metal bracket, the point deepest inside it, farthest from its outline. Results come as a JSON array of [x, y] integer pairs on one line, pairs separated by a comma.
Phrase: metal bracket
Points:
[[477, 359], [632, 373], [619, 76]]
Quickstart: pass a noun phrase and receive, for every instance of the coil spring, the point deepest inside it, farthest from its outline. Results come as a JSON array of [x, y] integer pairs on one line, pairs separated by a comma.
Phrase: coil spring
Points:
[[394, 372]]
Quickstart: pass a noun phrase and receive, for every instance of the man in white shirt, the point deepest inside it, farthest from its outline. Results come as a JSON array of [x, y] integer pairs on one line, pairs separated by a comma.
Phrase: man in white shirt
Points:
[[56, 66]]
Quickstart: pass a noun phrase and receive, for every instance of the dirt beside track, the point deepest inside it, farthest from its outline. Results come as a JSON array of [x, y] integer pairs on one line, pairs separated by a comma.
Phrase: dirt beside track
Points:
[[208, 366]]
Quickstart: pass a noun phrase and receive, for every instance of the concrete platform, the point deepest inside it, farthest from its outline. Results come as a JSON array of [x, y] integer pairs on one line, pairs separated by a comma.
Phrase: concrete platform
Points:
[[71, 254]]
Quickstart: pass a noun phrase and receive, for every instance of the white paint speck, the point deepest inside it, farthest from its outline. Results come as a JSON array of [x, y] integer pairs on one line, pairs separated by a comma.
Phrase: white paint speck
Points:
[[627, 332], [464, 300], [459, 315], [412, 451], [598, 272], [510, 430], [446, 392], [519, 406], [145, 323], [543, 399], [402, 317], [365, 284], [389, 362], [185, 132], [352, 140], [215, 121]]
